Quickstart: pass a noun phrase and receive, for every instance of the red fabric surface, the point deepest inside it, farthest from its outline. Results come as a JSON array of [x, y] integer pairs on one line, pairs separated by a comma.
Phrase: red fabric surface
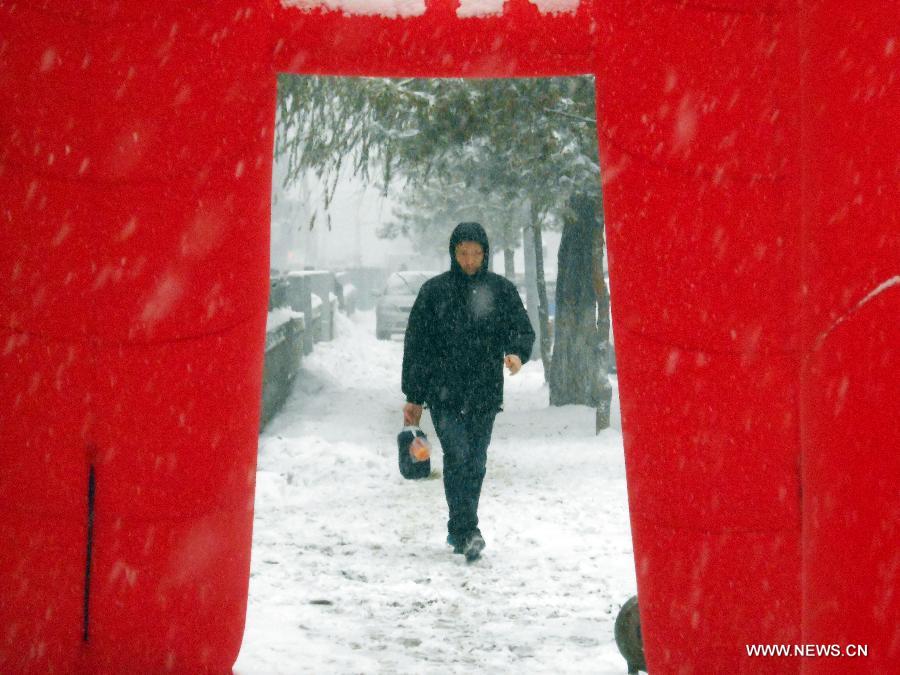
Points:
[[703, 450], [851, 320], [698, 109], [708, 593], [136, 167], [750, 162], [522, 42]]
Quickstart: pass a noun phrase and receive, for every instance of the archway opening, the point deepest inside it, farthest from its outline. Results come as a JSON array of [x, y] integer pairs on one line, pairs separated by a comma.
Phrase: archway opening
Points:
[[349, 560]]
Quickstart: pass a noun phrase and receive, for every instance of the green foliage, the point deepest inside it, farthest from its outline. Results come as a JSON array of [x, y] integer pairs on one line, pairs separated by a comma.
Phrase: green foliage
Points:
[[427, 211], [451, 149]]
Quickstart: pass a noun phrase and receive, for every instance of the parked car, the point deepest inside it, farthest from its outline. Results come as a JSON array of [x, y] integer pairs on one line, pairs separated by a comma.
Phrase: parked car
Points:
[[396, 301]]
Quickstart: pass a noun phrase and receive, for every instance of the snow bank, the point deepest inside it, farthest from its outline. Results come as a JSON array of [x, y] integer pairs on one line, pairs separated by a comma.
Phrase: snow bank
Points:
[[280, 316], [389, 8], [409, 8]]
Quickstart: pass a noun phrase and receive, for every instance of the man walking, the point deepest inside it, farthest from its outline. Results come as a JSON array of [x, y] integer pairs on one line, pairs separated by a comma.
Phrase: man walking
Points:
[[464, 326]]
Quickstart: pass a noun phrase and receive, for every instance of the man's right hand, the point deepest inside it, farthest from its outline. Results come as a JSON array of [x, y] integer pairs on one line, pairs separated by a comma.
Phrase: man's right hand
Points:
[[412, 414]]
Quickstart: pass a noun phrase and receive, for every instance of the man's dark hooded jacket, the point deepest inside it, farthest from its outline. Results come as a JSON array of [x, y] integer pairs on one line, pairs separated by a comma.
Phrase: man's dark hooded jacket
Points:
[[459, 330]]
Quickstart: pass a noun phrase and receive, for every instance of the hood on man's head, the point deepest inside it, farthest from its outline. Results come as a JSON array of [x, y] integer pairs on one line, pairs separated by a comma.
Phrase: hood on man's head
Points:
[[469, 232]]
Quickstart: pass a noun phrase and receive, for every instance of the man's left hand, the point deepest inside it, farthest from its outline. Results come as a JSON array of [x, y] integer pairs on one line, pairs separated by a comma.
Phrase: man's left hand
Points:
[[513, 362]]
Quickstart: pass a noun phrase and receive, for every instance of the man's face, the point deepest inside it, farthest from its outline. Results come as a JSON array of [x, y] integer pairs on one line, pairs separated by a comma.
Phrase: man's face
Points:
[[469, 255]]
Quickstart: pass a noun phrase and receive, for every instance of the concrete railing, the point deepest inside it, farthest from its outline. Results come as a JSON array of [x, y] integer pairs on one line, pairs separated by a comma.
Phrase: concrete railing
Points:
[[302, 307], [347, 293], [312, 292], [284, 352]]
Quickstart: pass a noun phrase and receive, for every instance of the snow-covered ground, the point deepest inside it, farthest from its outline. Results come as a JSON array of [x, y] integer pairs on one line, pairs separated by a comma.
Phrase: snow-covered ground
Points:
[[350, 570]]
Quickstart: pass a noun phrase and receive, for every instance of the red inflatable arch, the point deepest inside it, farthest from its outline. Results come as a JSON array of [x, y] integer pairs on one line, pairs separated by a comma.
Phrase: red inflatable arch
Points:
[[750, 159]]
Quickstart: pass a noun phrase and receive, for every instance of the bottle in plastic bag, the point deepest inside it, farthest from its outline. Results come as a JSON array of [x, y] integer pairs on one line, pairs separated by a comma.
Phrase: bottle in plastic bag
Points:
[[419, 449]]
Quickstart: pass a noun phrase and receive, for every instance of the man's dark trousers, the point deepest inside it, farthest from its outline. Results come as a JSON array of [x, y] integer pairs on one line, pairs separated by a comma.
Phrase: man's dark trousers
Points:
[[464, 439]]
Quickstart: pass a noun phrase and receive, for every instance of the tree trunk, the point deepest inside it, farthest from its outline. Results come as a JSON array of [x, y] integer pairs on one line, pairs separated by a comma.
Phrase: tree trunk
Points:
[[604, 391], [546, 343], [578, 368], [509, 264], [531, 294]]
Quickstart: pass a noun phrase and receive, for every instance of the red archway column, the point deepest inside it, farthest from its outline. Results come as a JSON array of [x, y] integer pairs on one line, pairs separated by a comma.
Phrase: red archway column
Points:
[[135, 188], [698, 108]]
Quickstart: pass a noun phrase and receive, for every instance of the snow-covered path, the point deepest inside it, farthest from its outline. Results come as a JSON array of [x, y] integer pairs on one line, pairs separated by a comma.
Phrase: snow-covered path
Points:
[[350, 571]]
